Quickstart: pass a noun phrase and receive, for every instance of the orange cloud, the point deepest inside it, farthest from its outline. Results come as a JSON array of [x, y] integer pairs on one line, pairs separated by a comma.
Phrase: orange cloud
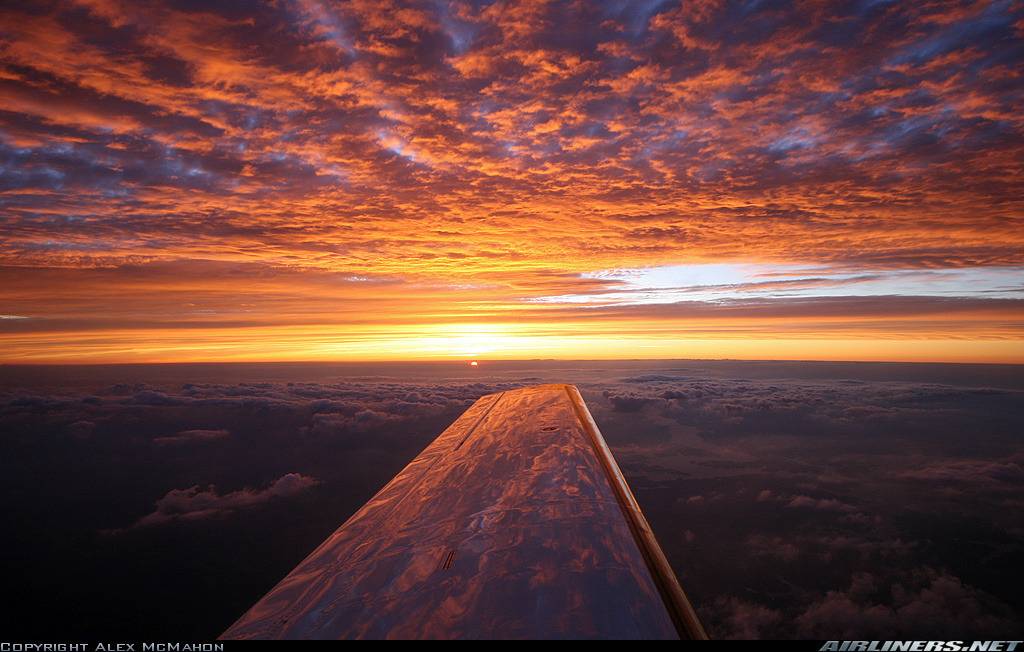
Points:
[[238, 180]]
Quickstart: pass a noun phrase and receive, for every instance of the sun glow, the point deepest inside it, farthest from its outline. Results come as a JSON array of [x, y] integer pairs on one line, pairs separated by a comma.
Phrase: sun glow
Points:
[[505, 341]]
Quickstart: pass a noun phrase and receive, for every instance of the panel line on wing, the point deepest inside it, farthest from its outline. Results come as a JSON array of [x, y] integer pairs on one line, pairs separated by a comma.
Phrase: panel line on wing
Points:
[[479, 421]]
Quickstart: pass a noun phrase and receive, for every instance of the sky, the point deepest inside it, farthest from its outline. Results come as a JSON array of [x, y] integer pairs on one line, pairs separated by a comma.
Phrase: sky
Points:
[[794, 499], [307, 180]]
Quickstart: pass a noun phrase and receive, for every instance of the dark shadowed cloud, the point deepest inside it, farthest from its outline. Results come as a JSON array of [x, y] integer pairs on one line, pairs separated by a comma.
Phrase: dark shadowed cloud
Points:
[[198, 503], [815, 500]]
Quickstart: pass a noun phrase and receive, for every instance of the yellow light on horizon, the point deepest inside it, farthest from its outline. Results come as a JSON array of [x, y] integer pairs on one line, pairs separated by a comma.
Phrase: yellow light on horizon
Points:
[[496, 341]]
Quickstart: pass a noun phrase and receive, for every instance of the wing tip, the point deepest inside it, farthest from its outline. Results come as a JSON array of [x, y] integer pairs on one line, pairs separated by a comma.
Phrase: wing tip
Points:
[[553, 387]]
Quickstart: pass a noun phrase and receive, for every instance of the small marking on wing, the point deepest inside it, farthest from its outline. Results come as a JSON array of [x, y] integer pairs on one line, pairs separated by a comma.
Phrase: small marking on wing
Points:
[[446, 563]]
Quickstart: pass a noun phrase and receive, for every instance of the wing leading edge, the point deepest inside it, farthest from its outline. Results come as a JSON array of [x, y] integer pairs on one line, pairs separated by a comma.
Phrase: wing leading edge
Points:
[[516, 522]]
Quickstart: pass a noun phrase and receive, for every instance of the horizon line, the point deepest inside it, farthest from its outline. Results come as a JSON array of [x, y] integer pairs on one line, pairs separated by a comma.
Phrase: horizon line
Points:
[[465, 362]]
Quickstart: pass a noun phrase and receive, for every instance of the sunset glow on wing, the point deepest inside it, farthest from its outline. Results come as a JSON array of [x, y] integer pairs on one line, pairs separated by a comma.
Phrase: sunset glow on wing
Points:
[[311, 180], [516, 522]]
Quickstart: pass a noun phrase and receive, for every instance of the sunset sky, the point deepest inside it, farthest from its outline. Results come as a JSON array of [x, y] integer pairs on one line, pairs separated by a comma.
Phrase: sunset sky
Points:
[[313, 180]]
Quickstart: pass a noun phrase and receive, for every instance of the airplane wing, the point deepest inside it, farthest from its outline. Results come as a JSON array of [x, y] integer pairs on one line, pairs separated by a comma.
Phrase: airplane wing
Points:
[[514, 523]]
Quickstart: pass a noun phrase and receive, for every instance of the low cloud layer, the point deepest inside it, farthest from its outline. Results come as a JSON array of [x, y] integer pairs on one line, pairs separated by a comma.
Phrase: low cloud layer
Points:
[[187, 436], [196, 503], [817, 500]]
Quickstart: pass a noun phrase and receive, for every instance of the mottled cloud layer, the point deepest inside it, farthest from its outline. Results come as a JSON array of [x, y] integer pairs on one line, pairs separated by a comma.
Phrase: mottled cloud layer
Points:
[[217, 175]]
